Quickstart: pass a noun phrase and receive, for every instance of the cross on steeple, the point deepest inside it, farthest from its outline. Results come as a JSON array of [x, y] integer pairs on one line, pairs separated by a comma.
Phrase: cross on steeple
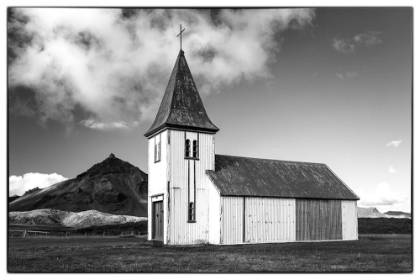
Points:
[[180, 35]]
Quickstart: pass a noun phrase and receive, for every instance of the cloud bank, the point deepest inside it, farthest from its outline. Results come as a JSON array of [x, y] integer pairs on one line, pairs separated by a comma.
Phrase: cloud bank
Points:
[[394, 143], [20, 184], [384, 199], [367, 39], [113, 65]]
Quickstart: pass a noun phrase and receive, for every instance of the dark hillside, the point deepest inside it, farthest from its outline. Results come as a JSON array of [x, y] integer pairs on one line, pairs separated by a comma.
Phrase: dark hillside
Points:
[[111, 186]]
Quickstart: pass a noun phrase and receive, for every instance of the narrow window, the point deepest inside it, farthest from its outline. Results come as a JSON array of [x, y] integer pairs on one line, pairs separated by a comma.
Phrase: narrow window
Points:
[[157, 148], [159, 151], [187, 148], [155, 151], [195, 149], [191, 212]]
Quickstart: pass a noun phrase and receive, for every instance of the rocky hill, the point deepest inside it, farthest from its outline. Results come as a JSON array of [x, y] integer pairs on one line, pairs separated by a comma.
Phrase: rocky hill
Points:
[[111, 186], [52, 217]]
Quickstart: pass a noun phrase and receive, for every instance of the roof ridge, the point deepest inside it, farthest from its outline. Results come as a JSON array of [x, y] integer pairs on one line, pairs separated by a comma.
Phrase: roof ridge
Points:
[[278, 160]]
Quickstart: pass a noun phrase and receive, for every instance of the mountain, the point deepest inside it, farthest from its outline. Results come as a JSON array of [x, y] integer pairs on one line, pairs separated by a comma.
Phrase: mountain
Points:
[[111, 186], [398, 214], [370, 212], [52, 217], [374, 213], [11, 198]]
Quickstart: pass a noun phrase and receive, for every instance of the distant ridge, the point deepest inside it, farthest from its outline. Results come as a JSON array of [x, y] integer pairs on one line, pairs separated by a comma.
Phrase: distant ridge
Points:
[[398, 214], [111, 186], [372, 212]]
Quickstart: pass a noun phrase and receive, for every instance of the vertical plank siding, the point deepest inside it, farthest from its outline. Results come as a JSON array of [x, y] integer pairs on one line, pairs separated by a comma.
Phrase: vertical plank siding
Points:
[[157, 182], [318, 219], [181, 232], [232, 217], [266, 220], [349, 217]]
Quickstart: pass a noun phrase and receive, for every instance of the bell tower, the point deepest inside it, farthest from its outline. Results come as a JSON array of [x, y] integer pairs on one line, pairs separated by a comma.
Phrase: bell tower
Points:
[[181, 149]]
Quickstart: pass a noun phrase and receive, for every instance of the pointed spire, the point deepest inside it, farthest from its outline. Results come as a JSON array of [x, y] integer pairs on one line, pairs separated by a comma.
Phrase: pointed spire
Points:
[[181, 105]]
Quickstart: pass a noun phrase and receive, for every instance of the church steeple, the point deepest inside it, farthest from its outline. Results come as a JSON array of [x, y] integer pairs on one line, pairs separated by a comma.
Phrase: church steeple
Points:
[[181, 105]]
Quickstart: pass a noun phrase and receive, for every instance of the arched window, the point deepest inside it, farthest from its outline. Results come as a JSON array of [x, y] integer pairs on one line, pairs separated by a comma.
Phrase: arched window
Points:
[[195, 149], [187, 148]]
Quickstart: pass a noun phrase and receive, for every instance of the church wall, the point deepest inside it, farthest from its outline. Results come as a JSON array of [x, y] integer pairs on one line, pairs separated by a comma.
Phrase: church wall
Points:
[[232, 230], [269, 220], [180, 230], [215, 214], [266, 220], [157, 178], [318, 219], [349, 218]]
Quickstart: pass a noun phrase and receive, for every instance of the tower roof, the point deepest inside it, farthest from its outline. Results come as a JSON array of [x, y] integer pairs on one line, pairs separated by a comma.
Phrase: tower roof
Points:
[[181, 105]]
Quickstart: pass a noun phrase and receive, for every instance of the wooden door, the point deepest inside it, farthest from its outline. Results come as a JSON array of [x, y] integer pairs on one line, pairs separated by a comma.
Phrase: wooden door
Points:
[[157, 233]]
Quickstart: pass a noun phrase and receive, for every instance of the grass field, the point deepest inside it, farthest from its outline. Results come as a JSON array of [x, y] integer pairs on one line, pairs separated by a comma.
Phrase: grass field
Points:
[[377, 253]]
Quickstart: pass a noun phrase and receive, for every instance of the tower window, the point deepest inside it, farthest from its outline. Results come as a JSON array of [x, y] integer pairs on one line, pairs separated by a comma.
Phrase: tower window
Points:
[[157, 148], [191, 212], [187, 148], [195, 149]]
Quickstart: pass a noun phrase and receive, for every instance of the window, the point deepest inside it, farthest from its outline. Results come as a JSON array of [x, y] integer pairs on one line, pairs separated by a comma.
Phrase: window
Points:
[[195, 149], [157, 148], [187, 148], [191, 212]]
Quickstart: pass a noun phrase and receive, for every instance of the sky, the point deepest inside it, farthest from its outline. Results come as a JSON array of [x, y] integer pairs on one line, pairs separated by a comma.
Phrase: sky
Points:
[[329, 85]]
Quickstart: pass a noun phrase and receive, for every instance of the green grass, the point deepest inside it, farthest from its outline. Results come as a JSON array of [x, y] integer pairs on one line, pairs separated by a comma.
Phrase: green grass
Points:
[[377, 253]]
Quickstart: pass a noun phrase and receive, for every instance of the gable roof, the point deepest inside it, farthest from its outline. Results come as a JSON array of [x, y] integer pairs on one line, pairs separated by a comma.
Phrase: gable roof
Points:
[[239, 176], [181, 105]]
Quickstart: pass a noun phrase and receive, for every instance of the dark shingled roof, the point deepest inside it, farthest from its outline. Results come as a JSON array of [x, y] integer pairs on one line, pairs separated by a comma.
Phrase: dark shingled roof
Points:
[[239, 176], [181, 105]]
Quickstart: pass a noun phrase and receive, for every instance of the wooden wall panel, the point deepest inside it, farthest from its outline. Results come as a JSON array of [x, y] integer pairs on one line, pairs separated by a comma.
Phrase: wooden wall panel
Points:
[[318, 219]]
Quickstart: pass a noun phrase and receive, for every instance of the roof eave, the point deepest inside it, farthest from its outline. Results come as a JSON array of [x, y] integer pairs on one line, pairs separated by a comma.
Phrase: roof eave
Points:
[[151, 132]]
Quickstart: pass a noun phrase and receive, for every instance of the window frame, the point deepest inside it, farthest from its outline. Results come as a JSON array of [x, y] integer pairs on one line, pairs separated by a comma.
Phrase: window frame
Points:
[[191, 151], [158, 149], [191, 212]]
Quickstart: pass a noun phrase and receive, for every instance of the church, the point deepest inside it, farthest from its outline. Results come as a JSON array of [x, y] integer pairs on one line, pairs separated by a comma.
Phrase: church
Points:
[[196, 196]]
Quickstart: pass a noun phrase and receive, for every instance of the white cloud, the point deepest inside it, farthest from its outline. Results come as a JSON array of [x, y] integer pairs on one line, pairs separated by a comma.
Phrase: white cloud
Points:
[[352, 74], [348, 75], [342, 45], [392, 169], [384, 199], [115, 64], [394, 143], [94, 124], [19, 184], [367, 39]]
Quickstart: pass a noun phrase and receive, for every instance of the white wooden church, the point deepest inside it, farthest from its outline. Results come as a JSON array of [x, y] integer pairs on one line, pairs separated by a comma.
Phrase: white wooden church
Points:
[[197, 196]]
